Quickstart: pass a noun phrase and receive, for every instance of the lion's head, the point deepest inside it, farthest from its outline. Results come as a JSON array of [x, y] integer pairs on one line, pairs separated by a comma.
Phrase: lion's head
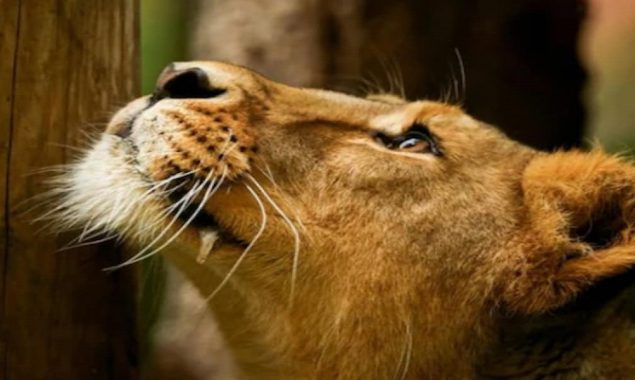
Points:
[[342, 237]]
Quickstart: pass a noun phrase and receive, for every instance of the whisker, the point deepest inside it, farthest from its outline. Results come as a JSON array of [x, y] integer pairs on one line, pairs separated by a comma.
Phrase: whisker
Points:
[[184, 201], [242, 256], [211, 189], [408, 352], [62, 168], [92, 234], [463, 76], [163, 215], [269, 175], [388, 74], [87, 243], [67, 146], [399, 78], [292, 228], [378, 84]]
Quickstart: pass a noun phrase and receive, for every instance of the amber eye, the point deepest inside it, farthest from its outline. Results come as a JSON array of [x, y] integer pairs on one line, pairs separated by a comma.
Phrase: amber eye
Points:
[[418, 139]]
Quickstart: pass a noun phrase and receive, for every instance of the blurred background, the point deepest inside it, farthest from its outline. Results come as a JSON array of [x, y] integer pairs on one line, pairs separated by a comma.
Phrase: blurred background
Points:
[[607, 49], [581, 49], [549, 73]]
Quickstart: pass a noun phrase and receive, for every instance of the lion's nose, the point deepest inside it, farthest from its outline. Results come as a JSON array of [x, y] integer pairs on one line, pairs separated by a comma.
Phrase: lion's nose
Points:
[[187, 83]]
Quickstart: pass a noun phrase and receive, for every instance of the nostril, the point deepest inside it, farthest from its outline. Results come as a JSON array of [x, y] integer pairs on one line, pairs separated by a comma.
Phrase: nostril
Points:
[[192, 83]]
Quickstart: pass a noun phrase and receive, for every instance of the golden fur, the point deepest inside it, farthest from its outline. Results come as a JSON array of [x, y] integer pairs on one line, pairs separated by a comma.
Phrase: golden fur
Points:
[[489, 260]]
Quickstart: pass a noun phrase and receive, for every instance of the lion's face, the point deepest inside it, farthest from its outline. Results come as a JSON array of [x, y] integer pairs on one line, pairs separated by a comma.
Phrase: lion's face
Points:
[[371, 219], [360, 180]]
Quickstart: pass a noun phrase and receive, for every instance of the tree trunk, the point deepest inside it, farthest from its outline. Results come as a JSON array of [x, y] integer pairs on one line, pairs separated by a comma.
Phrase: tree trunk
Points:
[[519, 57], [64, 64]]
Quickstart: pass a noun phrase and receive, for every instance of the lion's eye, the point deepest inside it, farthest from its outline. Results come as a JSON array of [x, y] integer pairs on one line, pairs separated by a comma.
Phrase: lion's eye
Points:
[[413, 143], [418, 139]]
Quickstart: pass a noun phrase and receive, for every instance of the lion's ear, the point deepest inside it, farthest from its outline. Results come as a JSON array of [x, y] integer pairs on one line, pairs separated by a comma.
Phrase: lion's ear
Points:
[[579, 228]]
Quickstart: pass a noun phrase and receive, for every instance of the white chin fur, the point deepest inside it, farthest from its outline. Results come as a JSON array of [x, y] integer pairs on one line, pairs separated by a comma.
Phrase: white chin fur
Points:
[[103, 192]]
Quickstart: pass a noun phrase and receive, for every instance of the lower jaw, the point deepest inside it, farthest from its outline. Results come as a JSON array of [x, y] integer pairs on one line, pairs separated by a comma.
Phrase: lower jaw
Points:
[[204, 222]]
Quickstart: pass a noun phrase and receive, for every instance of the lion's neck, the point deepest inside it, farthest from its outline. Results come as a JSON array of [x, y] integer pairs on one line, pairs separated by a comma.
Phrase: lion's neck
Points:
[[234, 316], [344, 330]]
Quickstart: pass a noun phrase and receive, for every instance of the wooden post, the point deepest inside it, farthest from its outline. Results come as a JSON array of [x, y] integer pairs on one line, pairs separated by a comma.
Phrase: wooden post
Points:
[[64, 64]]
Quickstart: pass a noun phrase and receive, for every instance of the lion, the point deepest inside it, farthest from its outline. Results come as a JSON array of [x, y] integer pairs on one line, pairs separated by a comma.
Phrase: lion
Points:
[[340, 237]]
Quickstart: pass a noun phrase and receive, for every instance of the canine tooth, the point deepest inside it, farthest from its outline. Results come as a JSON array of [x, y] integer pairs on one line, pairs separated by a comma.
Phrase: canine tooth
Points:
[[208, 238]]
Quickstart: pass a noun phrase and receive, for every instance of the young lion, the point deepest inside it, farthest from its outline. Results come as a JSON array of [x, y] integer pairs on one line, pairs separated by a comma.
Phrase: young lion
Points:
[[345, 238]]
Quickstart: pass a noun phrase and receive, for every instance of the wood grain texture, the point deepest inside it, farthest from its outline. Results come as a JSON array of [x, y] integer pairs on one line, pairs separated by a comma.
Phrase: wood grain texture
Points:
[[8, 39], [65, 64]]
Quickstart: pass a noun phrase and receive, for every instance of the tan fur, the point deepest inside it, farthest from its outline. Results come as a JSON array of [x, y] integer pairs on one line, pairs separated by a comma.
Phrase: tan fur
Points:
[[411, 265]]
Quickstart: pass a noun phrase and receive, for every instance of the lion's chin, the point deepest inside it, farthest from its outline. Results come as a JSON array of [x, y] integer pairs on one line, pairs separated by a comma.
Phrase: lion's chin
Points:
[[212, 234]]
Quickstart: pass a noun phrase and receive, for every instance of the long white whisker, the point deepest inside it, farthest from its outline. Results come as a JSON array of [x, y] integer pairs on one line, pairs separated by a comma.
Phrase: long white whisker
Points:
[[162, 216], [87, 243], [242, 256], [211, 189], [89, 237], [67, 147], [292, 228], [400, 79], [209, 192], [408, 352], [185, 202], [152, 191], [463, 76], [269, 175]]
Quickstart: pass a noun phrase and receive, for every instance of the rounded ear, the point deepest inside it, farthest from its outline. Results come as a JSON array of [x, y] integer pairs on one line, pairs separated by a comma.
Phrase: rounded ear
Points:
[[578, 228]]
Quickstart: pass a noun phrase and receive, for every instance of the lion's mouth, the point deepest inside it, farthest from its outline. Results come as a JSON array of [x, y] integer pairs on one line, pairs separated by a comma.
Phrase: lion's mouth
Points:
[[199, 218]]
